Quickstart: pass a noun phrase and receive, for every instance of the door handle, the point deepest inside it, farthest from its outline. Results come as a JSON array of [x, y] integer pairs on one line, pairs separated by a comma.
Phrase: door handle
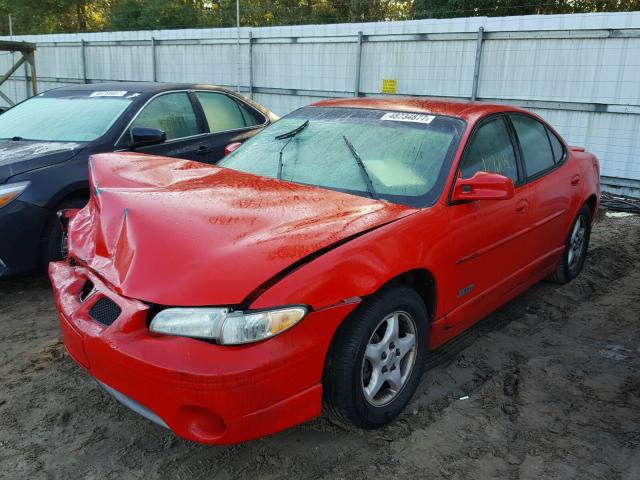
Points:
[[203, 150], [575, 180], [522, 206]]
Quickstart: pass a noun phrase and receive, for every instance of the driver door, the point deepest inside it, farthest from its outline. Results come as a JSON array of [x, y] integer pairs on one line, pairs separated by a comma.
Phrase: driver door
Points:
[[489, 237]]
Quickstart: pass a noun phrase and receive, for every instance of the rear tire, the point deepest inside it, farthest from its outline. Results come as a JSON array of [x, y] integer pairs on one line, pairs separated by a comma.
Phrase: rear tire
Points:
[[576, 246], [376, 359], [52, 242]]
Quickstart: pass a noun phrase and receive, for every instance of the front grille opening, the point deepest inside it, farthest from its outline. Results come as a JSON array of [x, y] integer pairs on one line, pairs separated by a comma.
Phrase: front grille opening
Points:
[[105, 311], [87, 288]]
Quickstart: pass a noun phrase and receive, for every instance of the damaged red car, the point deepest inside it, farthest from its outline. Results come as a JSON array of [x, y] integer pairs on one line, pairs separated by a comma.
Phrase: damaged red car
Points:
[[318, 263]]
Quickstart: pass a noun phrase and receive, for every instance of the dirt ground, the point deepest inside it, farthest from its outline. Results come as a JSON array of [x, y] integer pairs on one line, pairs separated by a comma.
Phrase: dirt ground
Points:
[[552, 378]]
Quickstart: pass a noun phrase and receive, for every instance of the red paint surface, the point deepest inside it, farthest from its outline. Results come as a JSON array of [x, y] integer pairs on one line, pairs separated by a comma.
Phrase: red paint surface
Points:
[[158, 227], [181, 233]]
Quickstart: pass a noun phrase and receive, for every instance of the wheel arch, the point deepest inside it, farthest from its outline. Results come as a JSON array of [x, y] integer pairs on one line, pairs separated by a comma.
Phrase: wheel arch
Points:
[[422, 281], [68, 195], [592, 202], [74, 191]]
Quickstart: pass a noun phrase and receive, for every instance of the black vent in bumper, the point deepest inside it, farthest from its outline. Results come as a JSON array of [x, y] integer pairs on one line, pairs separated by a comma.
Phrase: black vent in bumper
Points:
[[105, 311]]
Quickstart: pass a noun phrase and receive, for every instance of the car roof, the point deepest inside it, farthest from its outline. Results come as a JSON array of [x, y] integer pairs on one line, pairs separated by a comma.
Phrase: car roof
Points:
[[133, 87], [142, 91], [468, 110]]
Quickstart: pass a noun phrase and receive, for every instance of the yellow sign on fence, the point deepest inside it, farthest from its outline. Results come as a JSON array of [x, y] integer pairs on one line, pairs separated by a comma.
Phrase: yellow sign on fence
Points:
[[389, 85]]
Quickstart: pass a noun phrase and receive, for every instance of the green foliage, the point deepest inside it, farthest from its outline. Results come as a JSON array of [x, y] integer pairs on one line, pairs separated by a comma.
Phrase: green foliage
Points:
[[53, 16], [492, 8], [49, 16]]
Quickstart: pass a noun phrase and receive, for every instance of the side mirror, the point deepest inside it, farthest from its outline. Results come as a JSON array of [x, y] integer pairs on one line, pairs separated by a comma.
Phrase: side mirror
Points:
[[483, 186], [231, 147], [143, 136]]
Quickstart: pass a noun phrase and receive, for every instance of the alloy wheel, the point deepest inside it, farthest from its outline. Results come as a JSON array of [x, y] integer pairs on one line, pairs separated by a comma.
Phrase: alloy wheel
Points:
[[576, 242], [389, 358]]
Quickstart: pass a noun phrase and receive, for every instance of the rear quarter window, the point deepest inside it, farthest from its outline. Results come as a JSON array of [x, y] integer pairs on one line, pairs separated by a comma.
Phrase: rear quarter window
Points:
[[535, 145], [556, 146]]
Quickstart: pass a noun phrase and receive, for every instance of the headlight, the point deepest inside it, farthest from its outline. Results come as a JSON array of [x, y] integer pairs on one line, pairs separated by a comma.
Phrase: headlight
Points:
[[224, 325], [10, 192]]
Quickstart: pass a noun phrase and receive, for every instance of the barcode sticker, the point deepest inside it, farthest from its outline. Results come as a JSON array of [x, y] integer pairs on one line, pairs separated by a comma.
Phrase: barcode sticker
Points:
[[109, 93], [408, 117]]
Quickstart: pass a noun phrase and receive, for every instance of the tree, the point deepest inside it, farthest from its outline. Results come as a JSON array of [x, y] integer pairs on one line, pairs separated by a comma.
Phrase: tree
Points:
[[53, 16], [470, 8], [154, 14]]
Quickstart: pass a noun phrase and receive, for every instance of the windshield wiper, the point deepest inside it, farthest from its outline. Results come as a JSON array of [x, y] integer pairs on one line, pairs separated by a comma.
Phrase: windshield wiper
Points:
[[290, 136], [293, 132], [363, 169]]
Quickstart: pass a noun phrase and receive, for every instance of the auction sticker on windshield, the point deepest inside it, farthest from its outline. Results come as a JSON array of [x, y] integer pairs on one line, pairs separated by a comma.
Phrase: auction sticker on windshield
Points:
[[408, 117], [109, 93]]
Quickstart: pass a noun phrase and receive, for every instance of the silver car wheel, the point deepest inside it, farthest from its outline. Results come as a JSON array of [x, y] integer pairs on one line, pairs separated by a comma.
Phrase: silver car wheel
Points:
[[389, 358], [576, 242]]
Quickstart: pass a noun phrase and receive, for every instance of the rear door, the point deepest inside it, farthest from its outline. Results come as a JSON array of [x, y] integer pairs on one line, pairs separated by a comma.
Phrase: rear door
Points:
[[551, 183], [174, 114], [227, 120], [489, 237]]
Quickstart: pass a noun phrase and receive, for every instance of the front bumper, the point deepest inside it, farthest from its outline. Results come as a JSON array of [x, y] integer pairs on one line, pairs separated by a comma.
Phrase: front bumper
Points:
[[21, 227], [203, 392]]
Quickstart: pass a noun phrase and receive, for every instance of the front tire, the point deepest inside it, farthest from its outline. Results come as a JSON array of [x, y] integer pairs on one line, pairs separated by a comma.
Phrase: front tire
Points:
[[576, 246], [53, 242], [376, 360]]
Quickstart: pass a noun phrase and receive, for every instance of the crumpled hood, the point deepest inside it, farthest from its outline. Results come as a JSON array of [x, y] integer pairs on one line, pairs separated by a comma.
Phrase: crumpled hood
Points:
[[176, 232], [17, 157]]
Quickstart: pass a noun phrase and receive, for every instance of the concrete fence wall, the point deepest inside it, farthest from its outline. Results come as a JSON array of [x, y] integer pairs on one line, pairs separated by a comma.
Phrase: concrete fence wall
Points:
[[581, 72]]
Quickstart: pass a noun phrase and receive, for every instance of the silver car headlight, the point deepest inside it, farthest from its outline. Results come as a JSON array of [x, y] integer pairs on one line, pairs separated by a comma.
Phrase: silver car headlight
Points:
[[11, 191], [226, 326]]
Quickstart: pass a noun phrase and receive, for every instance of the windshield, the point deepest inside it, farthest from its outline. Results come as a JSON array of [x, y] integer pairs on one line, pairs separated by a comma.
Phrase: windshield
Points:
[[399, 157], [62, 119]]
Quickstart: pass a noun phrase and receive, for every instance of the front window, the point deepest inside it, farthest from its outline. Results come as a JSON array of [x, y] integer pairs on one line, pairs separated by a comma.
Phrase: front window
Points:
[[490, 150], [399, 157], [81, 118], [171, 113]]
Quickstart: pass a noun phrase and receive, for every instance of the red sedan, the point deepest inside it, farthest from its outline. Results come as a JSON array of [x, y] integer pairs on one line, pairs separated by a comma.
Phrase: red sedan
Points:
[[318, 263]]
